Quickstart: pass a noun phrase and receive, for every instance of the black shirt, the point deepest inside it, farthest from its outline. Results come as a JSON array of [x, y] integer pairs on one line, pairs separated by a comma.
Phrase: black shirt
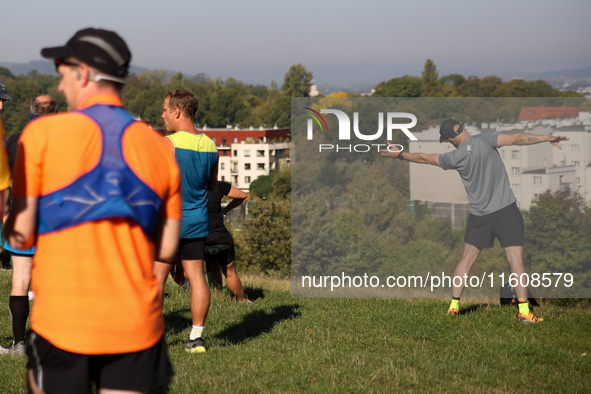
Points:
[[11, 147], [214, 207]]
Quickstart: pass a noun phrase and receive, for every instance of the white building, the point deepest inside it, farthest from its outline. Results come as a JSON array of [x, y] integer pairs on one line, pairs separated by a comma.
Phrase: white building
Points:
[[244, 162]]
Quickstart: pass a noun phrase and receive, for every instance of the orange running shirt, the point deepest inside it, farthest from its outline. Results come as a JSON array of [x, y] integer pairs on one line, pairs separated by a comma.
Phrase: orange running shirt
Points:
[[5, 180], [94, 284]]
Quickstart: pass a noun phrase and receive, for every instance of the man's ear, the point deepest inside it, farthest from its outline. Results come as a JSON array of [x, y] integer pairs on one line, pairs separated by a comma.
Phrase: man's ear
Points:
[[82, 74], [177, 113]]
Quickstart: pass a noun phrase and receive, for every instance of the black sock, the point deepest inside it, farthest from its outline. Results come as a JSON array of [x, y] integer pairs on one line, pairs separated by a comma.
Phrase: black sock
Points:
[[19, 312]]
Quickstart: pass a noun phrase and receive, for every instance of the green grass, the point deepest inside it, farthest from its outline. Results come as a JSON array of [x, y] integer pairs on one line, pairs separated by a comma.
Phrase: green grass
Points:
[[347, 345]]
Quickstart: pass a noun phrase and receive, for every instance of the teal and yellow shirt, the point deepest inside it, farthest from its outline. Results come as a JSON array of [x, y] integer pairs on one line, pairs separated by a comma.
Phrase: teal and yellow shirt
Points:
[[196, 156]]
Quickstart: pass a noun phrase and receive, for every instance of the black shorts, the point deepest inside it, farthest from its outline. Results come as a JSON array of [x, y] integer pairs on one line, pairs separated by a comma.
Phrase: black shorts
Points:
[[506, 224], [58, 371], [192, 248], [225, 256]]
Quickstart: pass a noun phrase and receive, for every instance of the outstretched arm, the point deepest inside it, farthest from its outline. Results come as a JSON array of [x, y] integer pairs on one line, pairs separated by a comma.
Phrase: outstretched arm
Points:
[[529, 139], [238, 197], [421, 158]]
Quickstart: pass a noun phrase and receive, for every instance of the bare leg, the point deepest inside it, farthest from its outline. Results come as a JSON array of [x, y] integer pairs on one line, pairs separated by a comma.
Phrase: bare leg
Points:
[[216, 274], [470, 255], [200, 295], [161, 271], [21, 275], [233, 280], [33, 388], [515, 258]]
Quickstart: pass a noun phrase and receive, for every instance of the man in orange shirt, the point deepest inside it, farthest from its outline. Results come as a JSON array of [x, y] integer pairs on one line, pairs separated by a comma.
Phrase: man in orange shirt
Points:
[[102, 193], [5, 179]]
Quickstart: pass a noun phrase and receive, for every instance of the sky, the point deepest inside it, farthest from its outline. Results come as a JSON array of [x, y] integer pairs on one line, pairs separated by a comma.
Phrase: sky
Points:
[[225, 36]]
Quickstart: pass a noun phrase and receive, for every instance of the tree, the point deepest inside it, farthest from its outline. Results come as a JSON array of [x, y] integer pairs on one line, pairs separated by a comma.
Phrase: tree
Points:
[[266, 238], [262, 186], [297, 81], [282, 183], [557, 237], [6, 73], [430, 77], [406, 86], [453, 79]]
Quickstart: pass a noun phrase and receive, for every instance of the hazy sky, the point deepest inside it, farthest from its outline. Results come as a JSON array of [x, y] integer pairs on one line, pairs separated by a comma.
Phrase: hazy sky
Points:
[[205, 36]]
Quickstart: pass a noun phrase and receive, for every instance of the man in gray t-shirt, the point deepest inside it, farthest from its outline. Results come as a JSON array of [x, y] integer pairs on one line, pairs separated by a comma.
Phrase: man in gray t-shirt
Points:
[[493, 211]]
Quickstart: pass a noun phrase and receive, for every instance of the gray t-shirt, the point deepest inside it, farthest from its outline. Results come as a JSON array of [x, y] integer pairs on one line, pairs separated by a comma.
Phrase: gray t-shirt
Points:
[[483, 173]]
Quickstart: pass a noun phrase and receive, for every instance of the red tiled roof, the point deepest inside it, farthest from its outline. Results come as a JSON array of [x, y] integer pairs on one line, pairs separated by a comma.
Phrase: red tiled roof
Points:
[[535, 113]]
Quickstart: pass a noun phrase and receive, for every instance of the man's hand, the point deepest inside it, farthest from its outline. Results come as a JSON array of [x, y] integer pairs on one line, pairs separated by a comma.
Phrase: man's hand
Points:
[[394, 152], [556, 141]]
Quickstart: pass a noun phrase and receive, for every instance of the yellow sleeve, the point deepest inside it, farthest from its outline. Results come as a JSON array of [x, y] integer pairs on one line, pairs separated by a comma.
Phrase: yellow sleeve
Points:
[[5, 180]]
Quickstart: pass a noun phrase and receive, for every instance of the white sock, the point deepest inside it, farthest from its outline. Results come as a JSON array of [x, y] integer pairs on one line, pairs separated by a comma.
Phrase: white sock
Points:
[[196, 332]]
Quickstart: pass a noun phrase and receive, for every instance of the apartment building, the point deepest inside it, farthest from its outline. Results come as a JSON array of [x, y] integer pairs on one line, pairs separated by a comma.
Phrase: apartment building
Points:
[[246, 154]]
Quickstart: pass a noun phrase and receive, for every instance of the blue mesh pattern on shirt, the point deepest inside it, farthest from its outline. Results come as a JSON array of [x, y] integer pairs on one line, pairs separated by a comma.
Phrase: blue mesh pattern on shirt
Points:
[[110, 190]]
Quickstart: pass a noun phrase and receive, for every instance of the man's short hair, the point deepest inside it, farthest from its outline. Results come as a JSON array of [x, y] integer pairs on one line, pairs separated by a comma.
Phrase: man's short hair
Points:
[[45, 107], [185, 101]]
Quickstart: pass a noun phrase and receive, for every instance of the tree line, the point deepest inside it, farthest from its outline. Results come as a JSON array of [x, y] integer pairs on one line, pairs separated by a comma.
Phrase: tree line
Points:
[[232, 102]]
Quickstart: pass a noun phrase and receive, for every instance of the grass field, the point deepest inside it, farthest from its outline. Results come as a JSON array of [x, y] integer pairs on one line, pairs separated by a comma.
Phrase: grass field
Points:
[[348, 345]]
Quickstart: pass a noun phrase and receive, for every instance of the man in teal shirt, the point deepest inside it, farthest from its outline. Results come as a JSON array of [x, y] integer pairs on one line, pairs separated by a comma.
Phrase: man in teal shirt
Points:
[[197, 158]]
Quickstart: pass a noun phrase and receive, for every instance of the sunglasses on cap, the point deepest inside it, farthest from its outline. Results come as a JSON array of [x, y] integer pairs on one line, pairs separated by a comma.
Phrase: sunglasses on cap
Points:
[[59, 62]]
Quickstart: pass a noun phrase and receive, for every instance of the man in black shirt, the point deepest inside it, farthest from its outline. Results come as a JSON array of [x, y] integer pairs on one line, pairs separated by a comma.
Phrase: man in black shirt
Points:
[[22, 260], [223, 256]]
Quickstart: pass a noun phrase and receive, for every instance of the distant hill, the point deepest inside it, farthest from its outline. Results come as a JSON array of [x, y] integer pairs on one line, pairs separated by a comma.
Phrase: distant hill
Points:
[[46, 67], [353, 78], [579, 73]]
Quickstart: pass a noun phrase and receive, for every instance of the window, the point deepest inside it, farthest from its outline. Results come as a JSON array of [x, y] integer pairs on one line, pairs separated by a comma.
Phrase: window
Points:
[[260, 153], [516, 188], [235, 140], [249, 139], [213, 139], [574, 148], [246, 179], [222, 166], [246, 153], [235, 180], [515, 171], [515, 154], [575, 163], [537, 180], [224, 141], [247, 166], [223, 178], [536, 197], [235, 153], [234, 167], [260, 166], [261, 140], [578, 181]]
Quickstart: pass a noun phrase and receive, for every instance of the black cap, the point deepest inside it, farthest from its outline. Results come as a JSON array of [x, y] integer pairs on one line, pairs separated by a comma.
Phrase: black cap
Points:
[[100, 49], [449, 129], [4, 92]]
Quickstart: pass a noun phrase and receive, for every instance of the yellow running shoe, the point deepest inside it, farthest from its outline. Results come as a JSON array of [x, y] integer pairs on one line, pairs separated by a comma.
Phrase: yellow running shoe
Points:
[[530, 318], [452, 312], [196, 345]]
